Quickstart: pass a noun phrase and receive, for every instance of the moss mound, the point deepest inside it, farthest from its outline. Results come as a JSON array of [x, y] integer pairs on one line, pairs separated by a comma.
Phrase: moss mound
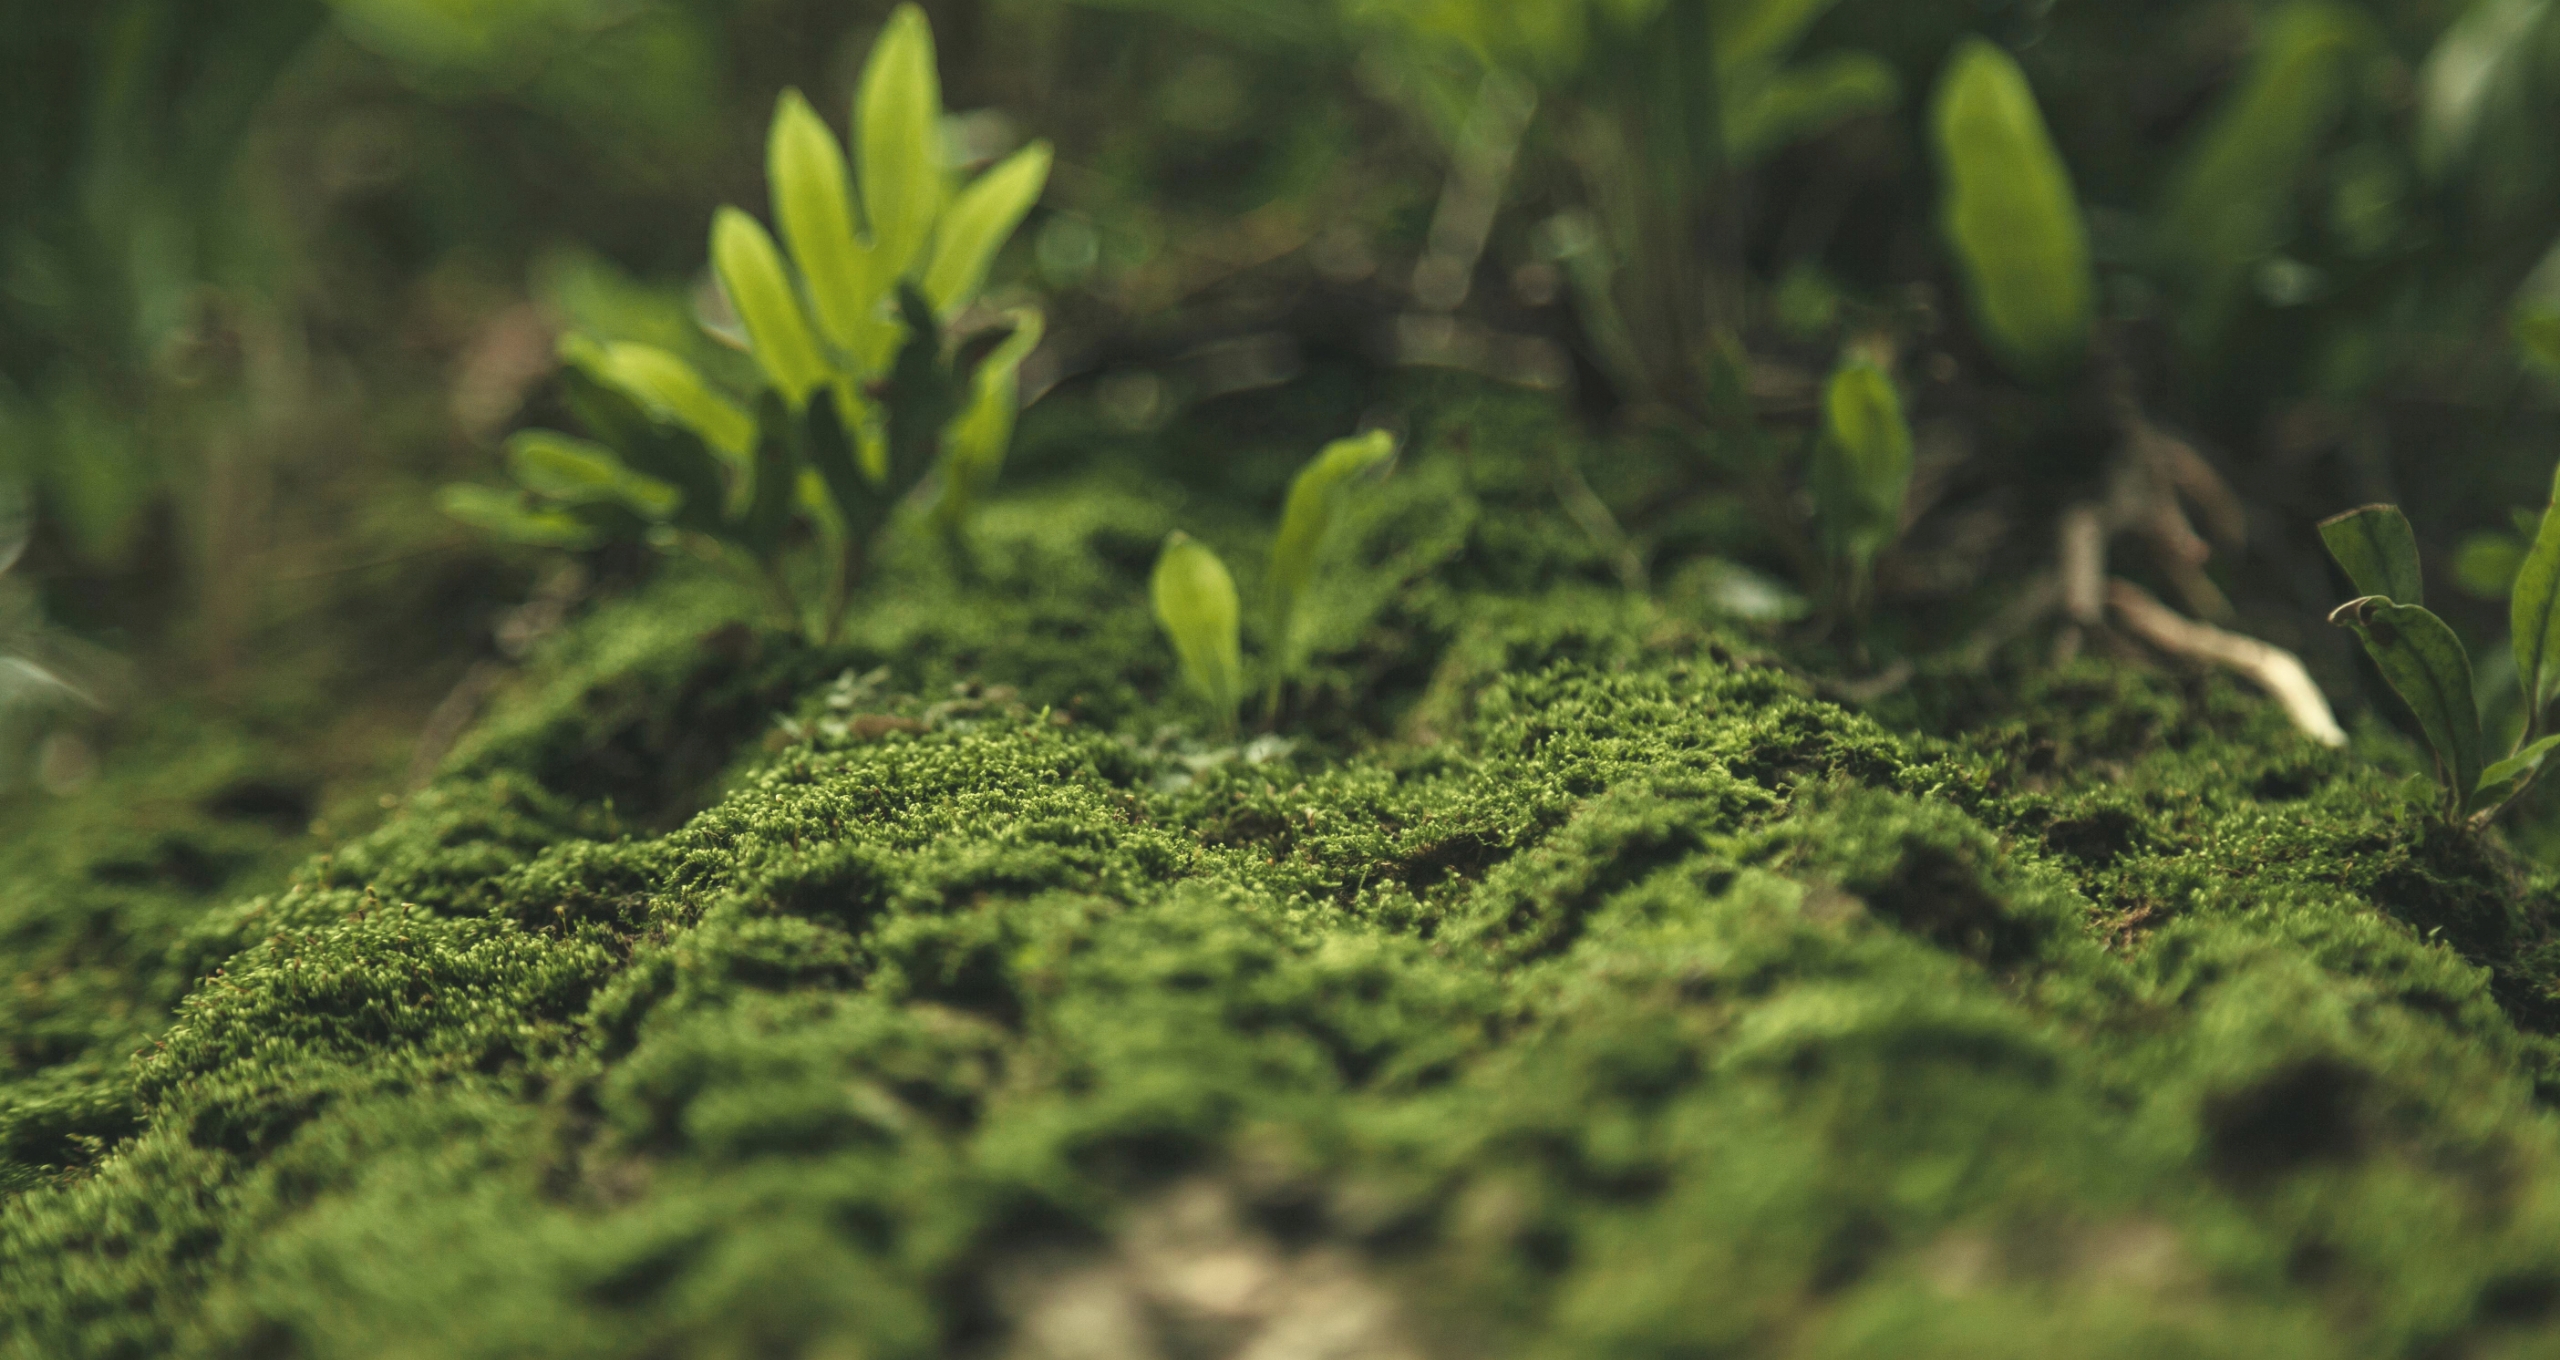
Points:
[[1577, 984]]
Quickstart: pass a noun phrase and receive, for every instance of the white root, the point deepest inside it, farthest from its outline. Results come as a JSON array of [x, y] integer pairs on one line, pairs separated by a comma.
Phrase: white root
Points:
[[2272, 668]]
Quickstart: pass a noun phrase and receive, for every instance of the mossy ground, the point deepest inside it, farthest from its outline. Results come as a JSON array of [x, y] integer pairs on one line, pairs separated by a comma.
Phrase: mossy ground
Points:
[[1579, 984]]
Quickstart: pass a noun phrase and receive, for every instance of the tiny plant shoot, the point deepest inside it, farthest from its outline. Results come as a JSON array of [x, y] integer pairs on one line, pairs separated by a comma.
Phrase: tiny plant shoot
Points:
[[1196, 603], [1195, 597], [1861, 477], [868, 398], [2425, 664]]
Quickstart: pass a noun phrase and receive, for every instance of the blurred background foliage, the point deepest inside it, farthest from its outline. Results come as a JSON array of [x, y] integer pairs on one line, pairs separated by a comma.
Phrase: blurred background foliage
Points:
[[271, 271]]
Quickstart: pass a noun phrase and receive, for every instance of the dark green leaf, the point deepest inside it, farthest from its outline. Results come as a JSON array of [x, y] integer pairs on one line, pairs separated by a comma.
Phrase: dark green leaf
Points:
[[2534, 613], [2379, 551], [922, 393], [658, 449], [829, 445], [2425, 665], [777, 476]]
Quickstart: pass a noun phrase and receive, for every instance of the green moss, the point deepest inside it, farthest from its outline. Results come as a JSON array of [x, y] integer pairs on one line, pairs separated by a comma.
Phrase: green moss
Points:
[[1580, 982]]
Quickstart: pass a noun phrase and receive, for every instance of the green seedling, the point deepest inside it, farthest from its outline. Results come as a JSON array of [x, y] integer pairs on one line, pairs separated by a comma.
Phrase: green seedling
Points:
[[869, 398], [1196, 603], [1861, 475], [2010, 215], [1195, 596], [2427, 666]]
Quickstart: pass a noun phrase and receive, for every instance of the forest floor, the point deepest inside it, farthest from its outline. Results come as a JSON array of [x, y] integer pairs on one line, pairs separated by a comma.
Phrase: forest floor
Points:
[[1568, 977]]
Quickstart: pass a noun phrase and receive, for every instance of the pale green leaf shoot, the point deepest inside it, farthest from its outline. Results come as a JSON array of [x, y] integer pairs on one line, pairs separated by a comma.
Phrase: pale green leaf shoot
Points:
[[2011, 215], [1195, 601], [752, 272]]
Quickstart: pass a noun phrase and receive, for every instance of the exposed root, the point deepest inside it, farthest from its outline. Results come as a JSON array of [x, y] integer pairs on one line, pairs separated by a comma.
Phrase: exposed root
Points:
[[2271, 668]]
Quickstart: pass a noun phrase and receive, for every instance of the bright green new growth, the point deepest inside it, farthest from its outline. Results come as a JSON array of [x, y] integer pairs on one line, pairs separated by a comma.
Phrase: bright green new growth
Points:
[[2011, 215], [867, 392], [1195, 601], [1315, 501], [1862, 469], [2426, 665]]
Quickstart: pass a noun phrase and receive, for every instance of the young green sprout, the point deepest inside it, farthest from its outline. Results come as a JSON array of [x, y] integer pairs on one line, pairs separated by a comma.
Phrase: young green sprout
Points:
[[2425, 663], [1861, 475], [1195, 601], [867, 397], [1195, 597]]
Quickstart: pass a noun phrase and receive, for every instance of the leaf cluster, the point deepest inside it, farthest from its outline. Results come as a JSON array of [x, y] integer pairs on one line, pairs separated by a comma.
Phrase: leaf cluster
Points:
[[1197, 603], [873, 396], [2423, 661]]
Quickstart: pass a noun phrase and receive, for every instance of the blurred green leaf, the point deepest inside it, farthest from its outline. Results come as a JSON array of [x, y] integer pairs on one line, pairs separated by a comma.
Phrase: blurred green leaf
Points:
[[503, 514], [1314, 502], [2489, 47], [777, 480], [675, 390], [1764, 114], [751, 271], [898, 125], [2486, 565], [1862, 471], [2534, 612], [813, 203], [974, 447], [2538, 332], [2424, 663], [575, 472], [978, 224], [2231, 202], [2011, 215], [1195, 601], [653, 448], [2379, 552]]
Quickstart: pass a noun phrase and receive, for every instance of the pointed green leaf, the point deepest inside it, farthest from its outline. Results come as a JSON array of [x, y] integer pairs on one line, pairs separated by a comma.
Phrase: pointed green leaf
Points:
[[674, 390], [1314, 501], [503, 514], [974, 446], [2425, 665], [813, 204], [1765, 112], [2011, 215], [1195, 601], [898, 121], [575, 472], [2514, 769], [2379, 551], [2534, 612], [833, 450], [651, 447], [1863, 470], [980, 221], [922, 393], [767, 304]]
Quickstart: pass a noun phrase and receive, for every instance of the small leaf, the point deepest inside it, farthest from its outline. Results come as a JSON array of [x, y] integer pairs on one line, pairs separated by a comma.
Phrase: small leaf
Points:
[[1766, 113], [1863, 470], [898, 121], [2011, 215], [833, 450], [2538, 332], [675, 390], [813, 204], [1314, 500], [751, 271], [974, 446], [2425, 665], [575, 472], [980, 221], [2516, 768], [2379, 551], [504, 514], [2486, 564], [1195, 601], [2534, 612], [921, 393], [649, 446]]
